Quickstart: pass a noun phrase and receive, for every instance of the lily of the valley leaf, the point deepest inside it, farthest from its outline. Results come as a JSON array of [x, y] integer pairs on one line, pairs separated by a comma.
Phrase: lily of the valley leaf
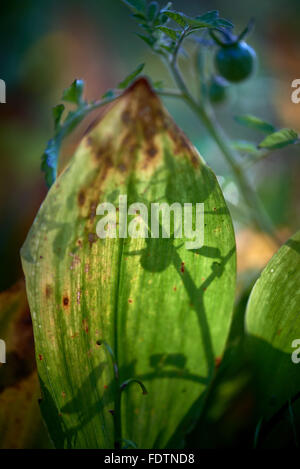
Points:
[[273, 325], [164, 310]]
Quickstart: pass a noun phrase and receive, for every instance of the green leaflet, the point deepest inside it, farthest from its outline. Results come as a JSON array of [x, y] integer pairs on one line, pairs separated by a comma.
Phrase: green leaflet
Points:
[[272, 324], [126, 82], [253, 122], [279, 139], [163, 310]]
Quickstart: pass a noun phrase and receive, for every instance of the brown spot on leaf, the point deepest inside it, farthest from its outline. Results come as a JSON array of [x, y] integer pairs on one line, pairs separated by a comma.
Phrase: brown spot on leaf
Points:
[[126, 117], [195, 161], [65, 301], [182, 146], [182, 267], [93, 208], [152, 151], [146, 111], [103, 151], [218, 361], [122, 167], [85, 325], [48, 291], [92, 238], [81, 198]]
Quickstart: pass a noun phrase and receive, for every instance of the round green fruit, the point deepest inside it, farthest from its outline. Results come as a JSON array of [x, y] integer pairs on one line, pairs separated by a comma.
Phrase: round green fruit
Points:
[[235, 62], [217, 90]]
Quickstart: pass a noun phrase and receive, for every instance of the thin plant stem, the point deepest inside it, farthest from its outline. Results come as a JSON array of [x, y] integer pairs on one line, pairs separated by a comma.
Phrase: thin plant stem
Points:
[[257, 212], [256, 159], [169, 93]]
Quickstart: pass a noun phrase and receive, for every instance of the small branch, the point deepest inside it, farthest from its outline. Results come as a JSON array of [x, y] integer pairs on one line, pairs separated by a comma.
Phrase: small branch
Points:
[[70, 122], [104, 101], [178, 45]]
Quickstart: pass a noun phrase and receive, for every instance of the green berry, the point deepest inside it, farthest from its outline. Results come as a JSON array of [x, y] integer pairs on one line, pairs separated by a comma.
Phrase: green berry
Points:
[[217, 90], [235, 62]]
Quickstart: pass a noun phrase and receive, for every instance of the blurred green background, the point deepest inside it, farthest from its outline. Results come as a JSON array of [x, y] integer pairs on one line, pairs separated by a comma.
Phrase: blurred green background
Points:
[[45, 45]]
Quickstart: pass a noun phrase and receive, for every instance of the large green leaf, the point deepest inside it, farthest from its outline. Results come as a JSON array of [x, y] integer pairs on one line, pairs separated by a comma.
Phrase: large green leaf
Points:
[[164, 310], [272, 325]]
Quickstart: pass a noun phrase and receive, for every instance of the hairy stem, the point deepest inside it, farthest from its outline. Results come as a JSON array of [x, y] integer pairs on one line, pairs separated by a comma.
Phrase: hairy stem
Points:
[[257, 212]]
